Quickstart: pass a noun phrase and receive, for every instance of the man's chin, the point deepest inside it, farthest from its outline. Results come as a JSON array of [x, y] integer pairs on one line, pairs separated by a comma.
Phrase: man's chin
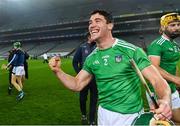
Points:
[[94, 38], [174, 36]]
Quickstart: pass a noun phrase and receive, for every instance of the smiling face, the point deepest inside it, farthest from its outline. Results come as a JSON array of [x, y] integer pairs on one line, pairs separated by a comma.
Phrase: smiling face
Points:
[[99, 27]]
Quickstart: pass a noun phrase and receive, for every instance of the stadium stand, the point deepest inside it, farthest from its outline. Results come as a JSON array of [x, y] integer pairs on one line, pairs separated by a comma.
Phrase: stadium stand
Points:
[[40, 33], [66, 46]]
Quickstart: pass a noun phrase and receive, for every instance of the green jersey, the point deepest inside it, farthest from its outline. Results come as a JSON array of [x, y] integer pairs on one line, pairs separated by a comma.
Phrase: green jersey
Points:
[[169, 52], [118, 84]]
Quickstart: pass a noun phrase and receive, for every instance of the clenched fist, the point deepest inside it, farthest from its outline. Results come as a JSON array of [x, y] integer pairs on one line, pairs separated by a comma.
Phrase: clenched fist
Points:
[[54, 64]]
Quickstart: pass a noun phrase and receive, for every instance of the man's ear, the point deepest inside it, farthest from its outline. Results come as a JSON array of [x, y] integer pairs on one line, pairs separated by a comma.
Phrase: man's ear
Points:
[[110, 26], [162, 28]]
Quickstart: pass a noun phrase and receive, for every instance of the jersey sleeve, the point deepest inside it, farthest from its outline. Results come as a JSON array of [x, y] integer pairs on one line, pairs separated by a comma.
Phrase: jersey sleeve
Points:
[[141, 59], [87, 65], [154, 49]]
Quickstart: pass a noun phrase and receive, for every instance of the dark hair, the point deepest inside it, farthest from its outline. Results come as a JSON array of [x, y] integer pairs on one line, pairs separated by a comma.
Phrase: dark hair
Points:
[[87, 34], [17, 44], [108, 16]]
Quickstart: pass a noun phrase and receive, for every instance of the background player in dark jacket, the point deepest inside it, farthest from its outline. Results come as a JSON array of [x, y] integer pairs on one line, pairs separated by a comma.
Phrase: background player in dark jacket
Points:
[[82, 52], [26, 64], [18, 72], [11, 53]]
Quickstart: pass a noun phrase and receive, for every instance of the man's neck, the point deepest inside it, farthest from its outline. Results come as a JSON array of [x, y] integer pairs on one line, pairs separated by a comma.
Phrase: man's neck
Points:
[[166, 37], [105, 43]]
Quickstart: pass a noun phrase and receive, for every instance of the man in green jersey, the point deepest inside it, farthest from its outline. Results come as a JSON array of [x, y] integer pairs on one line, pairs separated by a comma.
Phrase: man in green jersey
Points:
[[118, 85], [164, 54]]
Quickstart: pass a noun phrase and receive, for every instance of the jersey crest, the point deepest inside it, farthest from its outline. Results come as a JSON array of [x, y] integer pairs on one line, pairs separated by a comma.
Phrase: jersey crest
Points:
[[118, 58]]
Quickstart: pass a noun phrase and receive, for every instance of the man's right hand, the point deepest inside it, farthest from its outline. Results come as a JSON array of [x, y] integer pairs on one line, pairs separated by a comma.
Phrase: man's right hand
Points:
[[54, 64]]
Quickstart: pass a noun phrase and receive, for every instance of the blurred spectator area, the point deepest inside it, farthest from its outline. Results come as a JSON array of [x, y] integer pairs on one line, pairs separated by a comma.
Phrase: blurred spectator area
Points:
[[42, 33]]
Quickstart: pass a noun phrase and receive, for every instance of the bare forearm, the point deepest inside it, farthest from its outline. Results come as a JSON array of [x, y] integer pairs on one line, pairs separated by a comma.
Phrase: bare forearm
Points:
[[159, 84], [161, 87], [68, 80], [74, 83], [169, 77], [163, 90]]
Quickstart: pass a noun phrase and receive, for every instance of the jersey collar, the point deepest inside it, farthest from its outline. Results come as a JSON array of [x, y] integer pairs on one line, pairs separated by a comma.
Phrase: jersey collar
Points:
[[164, 37], [115, 43]]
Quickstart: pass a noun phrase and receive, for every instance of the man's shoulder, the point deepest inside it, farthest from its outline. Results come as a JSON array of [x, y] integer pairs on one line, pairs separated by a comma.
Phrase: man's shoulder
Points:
[[93, 53], [126, 45], [83, 45], [18, 51], [158, 41]]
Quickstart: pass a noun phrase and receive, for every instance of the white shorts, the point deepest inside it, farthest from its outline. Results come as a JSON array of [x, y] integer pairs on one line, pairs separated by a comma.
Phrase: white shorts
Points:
[[110, 118], [18, 70], [175, 100]]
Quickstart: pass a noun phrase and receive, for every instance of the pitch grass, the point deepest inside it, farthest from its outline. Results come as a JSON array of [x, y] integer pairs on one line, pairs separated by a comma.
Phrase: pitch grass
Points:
[[46, 101]]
